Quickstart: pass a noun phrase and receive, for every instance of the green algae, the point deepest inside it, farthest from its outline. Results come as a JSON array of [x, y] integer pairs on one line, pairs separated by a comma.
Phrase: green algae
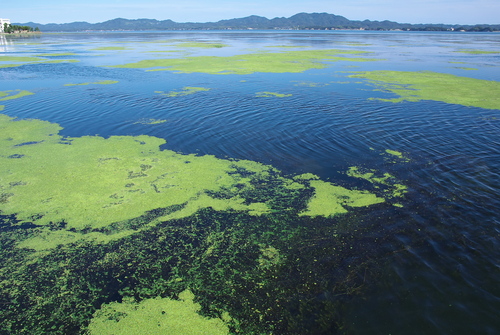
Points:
[[96, 183], [155, 316], [467, 68], [5, 66], [150, 121], [330, 200], [57, 54], [391, 188], [184, 91], [478, 52], [92, 181], [238, 265], [272, 95], [270, 256], [13, 94], [19, 59], [416, 86], [58, 61], [102, 82], [398, 154], [268, 62], [306, 176], [309, 84]]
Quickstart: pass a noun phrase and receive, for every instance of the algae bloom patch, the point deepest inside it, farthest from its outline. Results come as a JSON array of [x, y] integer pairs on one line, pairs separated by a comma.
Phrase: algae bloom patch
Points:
[[267, 62], [272, 95], [149, 121], [102, 82], [92, 182], [15, 61], [184, 91], [155, 316], [426, 85], [13, 94]]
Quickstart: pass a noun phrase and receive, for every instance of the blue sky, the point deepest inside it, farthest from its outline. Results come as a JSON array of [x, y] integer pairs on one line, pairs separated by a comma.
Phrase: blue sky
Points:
[[403, 11]]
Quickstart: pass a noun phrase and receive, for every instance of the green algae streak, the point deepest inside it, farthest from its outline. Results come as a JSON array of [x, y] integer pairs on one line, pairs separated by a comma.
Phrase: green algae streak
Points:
[[19, 59], [478, 52], [57, 55], [394, 153], [155, 316], [102, 82], [185, 91], [268, 62], [309, 84], [271, 95], [416, 86], [13, 94], [150, 121]]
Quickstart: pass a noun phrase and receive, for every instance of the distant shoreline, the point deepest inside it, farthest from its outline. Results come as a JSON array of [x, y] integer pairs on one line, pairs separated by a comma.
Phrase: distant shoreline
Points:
[[301, 21], [22, 33]]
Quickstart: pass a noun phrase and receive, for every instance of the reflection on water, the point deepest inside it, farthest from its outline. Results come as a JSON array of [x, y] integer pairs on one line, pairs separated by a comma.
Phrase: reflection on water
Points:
[[428, 265], [4, 43]]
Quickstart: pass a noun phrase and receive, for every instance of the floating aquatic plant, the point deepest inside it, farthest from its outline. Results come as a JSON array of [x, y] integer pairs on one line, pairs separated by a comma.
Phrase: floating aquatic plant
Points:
[[271, 95], [426, 85], [270, 62], [184, 91]]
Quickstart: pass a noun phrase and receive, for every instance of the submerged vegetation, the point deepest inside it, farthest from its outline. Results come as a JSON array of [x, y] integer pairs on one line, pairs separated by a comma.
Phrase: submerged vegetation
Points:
[[105, 233]]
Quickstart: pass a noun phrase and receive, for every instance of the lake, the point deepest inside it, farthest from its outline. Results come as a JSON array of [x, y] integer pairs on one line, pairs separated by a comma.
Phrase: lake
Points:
[[255, 182]]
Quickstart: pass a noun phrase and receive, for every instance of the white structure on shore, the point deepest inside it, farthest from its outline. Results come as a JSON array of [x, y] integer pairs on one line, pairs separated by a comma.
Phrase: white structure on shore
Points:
[[2, 22]]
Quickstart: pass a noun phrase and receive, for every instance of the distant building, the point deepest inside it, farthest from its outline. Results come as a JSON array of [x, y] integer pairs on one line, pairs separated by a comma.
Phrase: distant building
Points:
[[2, 22]]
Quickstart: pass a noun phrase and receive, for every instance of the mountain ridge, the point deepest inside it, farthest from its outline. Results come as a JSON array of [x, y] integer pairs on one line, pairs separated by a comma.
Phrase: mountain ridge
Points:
[[299, 21]]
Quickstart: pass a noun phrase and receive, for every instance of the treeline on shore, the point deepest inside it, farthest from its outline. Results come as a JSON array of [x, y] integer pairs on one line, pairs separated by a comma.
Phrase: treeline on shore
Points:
[[15, 29], [424, 28]]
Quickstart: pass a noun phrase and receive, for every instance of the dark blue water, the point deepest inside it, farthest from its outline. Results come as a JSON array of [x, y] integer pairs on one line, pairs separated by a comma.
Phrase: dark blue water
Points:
[[438, 256]]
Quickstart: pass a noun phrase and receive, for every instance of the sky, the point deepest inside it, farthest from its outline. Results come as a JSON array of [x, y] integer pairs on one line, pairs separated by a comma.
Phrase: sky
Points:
[[402, 11]]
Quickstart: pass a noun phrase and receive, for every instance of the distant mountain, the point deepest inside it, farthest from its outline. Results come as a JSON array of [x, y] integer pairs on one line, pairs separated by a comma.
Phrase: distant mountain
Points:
[[300, 21]]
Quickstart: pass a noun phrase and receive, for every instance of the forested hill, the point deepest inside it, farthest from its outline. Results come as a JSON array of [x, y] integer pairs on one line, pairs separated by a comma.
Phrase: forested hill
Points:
[[298, 21]]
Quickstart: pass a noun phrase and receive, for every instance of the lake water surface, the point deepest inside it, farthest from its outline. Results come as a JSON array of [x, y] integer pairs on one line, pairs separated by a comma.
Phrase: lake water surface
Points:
[[424, 262]]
